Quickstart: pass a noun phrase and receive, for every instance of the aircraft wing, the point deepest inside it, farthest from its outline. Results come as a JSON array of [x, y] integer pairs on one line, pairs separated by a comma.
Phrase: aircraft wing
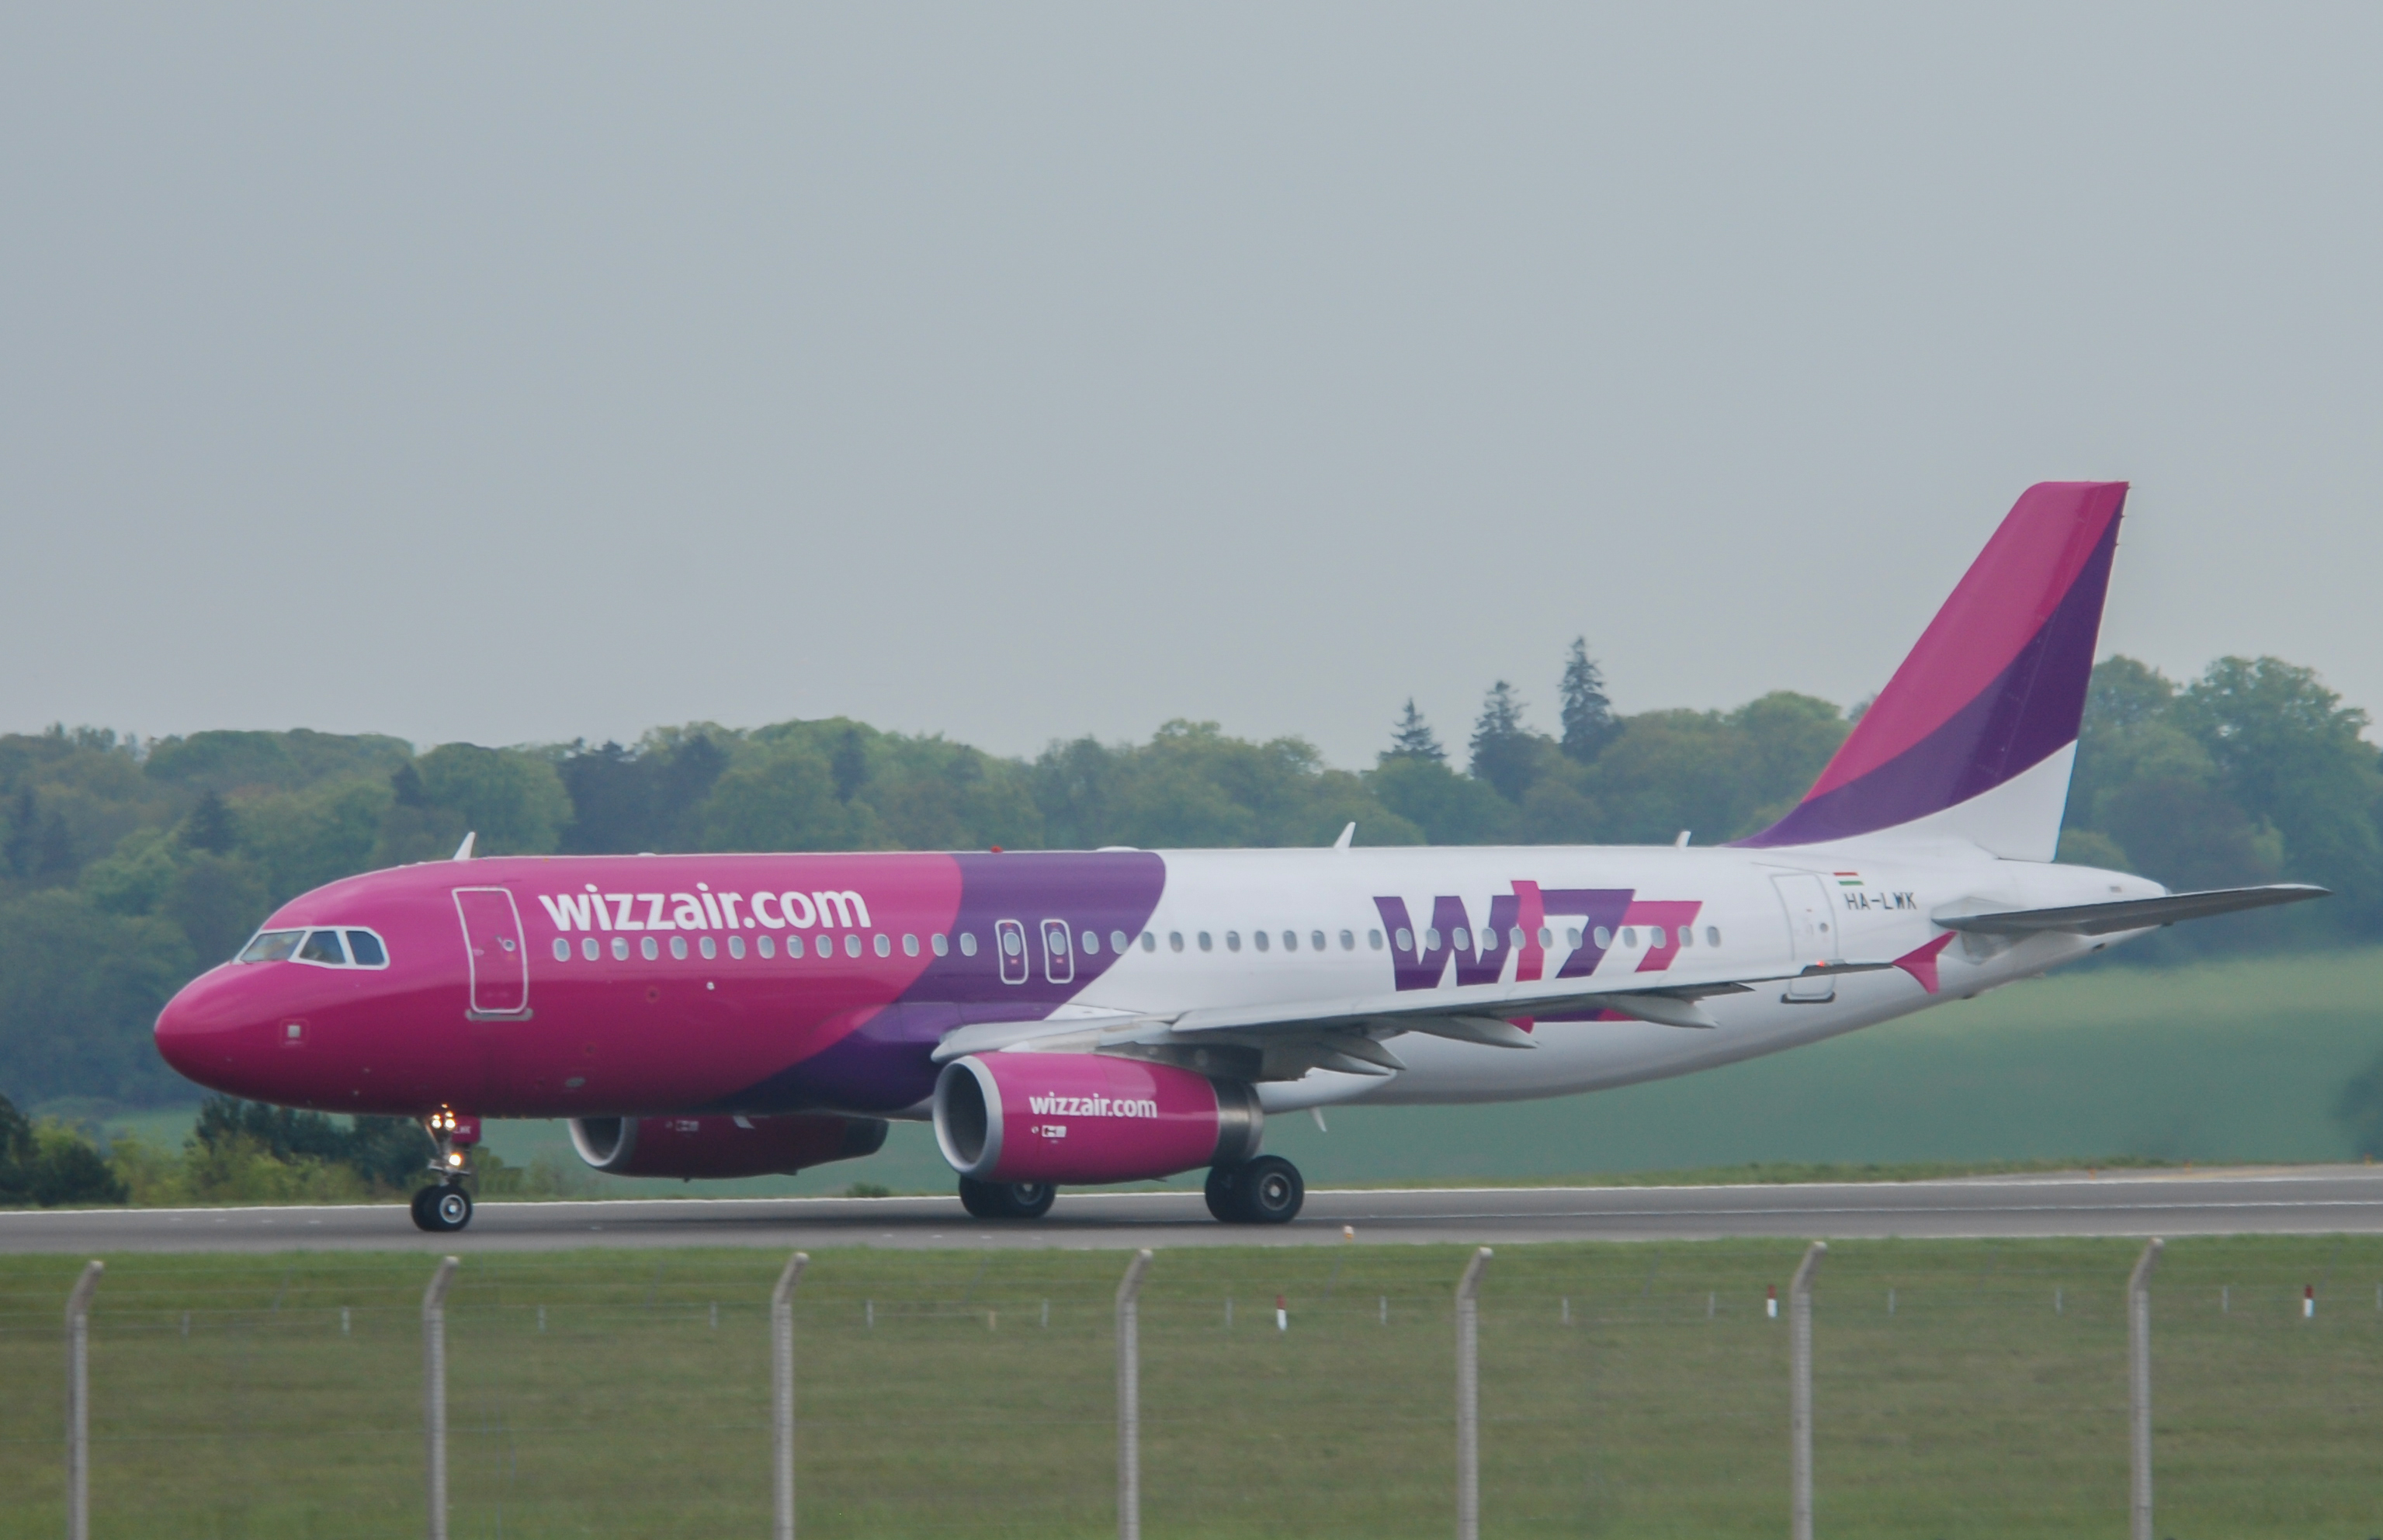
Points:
[[2133, 914], [1347, 1034]]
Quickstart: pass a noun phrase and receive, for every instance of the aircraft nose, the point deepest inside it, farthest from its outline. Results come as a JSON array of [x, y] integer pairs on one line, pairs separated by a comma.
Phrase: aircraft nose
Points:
[[203, 1031]]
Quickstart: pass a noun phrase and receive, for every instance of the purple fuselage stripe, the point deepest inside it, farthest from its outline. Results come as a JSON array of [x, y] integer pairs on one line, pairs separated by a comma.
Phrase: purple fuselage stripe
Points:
[[2028, 714]]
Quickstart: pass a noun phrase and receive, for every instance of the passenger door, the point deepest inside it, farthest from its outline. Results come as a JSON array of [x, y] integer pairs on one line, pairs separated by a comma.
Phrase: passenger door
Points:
[[493, 949], [1812, 934]]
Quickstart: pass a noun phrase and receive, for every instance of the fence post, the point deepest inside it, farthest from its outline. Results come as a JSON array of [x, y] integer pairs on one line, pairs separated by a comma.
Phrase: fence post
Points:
[[1468, 1398], [433, 1390], [78, 1400], [1129, 1394], [1799, 1401], [782, 1387], [2139, 1387]]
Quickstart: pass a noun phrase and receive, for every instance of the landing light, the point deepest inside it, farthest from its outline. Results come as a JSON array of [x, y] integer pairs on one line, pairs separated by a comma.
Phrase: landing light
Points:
[[455, 1160]]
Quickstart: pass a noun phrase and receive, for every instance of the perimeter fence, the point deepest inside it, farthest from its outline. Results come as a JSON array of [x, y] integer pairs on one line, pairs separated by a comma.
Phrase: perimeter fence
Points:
[[1957, 1388]]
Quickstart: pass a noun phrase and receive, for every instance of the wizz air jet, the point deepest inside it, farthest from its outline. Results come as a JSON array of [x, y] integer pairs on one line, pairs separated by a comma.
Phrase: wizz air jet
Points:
[[1115, 1015]]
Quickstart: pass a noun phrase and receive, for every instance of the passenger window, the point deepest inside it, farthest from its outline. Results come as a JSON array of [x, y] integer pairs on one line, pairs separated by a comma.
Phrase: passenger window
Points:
[[1547, 937], [942, 944], [648, 948], [1348, 941], [709, 948], [678, 947], [794, 946], [1431, 938], [1012, 944], [1315, 939], [1290, 941], [366, 948], [1258, 936], [882, 943], [1375, 939], [273, 947], [619, 948], [589, 948], [909, 945], [1515, 936], [1604, 937], [323, 946], [1092, 944], [1175, 941], [765, 946], [562, 950], [967, 943], [1629, 935], [1712, 935], [1406, 941], [1206, 943], [736, 946], [1656, 939], [1232, 940], [1462, 937], [1117, 944], [1688, 935], [1149, 942], [851, 945]]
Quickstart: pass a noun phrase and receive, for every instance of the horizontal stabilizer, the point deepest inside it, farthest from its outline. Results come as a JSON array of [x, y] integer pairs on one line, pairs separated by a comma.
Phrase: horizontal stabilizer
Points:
[[2133, 914]]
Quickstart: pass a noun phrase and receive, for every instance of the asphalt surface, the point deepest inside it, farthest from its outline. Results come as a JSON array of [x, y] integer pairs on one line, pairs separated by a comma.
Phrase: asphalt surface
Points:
[[2288, 1201]]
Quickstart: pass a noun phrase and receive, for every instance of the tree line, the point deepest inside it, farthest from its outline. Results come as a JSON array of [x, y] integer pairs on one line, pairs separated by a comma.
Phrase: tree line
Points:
[[129, 865]]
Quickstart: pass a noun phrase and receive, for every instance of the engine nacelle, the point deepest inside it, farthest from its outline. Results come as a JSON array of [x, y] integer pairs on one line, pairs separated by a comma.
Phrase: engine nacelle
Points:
[[1088, 1117], [690, 1147]]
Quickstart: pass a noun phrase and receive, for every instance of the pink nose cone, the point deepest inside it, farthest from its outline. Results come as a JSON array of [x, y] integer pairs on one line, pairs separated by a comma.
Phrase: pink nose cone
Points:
[[211, 1031]]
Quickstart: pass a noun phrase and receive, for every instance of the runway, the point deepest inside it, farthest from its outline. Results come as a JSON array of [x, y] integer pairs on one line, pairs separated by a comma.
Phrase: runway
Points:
[[2282, 1201]]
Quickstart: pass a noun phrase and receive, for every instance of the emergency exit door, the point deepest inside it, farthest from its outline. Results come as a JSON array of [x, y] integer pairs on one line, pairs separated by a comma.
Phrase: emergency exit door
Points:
[[1813, 934]]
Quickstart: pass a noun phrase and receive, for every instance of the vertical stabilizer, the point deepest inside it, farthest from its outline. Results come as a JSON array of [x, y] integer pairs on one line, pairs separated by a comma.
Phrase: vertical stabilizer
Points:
[[1974, 736]]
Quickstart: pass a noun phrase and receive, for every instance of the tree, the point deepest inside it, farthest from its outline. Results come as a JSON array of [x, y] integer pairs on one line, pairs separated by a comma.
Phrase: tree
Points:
[[1587, 714], [849, 765], [1505, 753], [1414, 739], [210, 825]]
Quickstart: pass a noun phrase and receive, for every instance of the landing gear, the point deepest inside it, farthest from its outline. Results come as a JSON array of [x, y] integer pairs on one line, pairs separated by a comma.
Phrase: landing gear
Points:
[[1006, 1199], [1267, 1191], [446, 1203], [442, 1207]]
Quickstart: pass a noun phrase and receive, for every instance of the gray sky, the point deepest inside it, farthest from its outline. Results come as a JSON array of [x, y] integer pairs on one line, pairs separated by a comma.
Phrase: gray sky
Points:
[[505, 375]]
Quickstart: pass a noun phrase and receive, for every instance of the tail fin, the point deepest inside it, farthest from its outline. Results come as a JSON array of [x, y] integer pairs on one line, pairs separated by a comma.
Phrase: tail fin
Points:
[[1976, 732]]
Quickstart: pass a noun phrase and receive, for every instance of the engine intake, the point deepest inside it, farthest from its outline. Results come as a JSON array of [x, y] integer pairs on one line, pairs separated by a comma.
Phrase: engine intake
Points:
[[691, 1146], [1088, 1117]]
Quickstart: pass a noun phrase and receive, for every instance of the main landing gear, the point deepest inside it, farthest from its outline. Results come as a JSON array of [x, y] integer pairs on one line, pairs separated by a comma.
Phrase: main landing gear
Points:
[[1006, 1199], [1267, 1191], [446, 1203]]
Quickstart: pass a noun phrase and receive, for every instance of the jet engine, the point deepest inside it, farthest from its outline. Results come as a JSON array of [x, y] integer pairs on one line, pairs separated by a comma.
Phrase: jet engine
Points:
[[1088, 1117], [690, 1147]]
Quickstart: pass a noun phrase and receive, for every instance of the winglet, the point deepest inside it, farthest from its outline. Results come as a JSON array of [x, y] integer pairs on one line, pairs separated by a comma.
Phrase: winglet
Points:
[[1346, 835], [1921, 962], [464, 851]]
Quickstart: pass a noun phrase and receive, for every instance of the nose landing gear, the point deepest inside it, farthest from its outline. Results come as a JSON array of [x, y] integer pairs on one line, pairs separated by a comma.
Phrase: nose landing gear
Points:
[[446, 1203]]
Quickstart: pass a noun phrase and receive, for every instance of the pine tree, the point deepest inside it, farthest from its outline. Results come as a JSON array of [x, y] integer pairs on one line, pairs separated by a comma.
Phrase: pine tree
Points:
[[849, 764], [1588, 723], [1414, 739], [210, 827], [1503, 752]]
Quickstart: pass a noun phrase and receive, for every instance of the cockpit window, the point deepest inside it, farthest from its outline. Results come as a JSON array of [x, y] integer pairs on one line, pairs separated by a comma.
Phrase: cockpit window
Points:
[[272, 946], [366, 948], [323, 946]]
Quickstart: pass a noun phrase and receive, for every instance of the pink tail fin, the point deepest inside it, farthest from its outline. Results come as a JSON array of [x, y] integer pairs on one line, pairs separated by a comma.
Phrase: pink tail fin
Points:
[[1977, 730]]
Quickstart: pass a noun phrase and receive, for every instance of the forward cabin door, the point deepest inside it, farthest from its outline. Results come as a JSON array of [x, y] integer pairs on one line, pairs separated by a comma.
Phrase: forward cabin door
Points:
[[1813, 934], [493, 948]]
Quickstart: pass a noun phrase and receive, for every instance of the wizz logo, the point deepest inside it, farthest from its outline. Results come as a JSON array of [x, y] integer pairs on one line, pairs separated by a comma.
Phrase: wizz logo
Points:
[[1514, 923], [1091, 1106]]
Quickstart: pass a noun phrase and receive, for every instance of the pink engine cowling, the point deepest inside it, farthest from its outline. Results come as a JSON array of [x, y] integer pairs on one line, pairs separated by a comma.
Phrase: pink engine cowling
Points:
[[691, 1146], [1088, 1117]]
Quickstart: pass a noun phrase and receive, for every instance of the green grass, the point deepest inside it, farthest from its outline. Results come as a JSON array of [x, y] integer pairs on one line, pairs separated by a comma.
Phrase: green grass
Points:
[[1973, 1410]]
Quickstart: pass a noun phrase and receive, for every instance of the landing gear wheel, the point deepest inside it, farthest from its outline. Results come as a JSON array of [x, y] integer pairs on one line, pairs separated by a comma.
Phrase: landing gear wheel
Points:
[[442, 1207], [1267, 1191], [1006, 1199]]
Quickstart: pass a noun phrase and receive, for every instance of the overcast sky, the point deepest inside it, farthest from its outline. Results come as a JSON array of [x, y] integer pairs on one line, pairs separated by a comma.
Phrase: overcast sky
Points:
[[513, 375]]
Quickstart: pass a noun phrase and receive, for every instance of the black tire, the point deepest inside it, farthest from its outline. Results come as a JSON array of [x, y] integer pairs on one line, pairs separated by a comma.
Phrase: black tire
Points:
[[1006, 1199], [1220, 1194], [1268, 1190], [1028, 1200], [421, 1216], [446, 1207]]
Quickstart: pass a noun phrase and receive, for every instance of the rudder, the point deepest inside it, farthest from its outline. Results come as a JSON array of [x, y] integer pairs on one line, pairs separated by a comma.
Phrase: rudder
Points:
[[1976, 733]]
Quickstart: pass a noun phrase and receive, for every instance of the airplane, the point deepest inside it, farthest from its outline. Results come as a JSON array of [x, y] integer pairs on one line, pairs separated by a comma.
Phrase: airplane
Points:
[[1083, 1018]]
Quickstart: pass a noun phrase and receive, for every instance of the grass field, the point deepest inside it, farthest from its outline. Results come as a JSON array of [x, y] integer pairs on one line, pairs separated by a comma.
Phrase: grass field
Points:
[[593, 1395]]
